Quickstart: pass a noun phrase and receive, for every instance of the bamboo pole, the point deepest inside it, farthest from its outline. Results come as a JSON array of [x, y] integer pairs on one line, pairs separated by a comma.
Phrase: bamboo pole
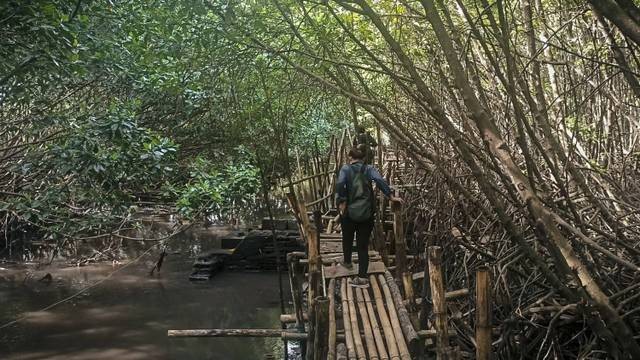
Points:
[[291, 318], [346, 319], [408, 330], [439, 304], [236, 333], [483, 314], [366, 326], [395, 322], [331, 355], [392, 344], [382, 351], [400, 245], [295, 282], [321, 336], [355, 328], [407, 282]]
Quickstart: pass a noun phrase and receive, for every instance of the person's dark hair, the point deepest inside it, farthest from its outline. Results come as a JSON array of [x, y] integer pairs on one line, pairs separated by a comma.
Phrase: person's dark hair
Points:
[[360, 129], [356, 154]]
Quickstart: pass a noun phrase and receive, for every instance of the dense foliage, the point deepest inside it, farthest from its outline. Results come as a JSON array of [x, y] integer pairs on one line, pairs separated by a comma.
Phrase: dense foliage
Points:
[[110, 107]]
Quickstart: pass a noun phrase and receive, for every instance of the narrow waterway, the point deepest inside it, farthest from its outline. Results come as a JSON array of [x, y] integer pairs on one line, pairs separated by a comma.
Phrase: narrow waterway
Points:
[[127, 316]]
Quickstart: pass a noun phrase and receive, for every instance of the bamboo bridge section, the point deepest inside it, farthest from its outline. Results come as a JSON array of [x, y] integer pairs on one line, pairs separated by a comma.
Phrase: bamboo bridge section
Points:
[[346, 322], [331, 318]]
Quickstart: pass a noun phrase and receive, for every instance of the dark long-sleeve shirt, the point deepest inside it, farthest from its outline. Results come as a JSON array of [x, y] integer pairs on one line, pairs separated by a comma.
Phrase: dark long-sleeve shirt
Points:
[[371, 173]]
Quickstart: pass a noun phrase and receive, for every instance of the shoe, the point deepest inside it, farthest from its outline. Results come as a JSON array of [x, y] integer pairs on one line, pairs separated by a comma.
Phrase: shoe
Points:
[[348, 266], [359, 282]]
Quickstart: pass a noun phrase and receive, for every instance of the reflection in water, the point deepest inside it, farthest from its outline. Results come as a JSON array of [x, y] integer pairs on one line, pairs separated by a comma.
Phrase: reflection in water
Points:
[[128, 315]]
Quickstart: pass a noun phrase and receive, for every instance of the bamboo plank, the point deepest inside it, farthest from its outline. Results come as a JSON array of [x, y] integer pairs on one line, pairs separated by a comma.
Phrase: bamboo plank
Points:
[[331, 355], [366, 326], [395, 322], [389, 335], [355, 328], [403, 315], [346, 318], [377, 335]]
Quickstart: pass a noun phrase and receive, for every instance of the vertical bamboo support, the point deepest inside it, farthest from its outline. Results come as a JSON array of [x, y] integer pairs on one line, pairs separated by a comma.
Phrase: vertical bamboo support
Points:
[[483, 314], [439, 304], [426, 297], [313, 253], [401, 251], [379, 239], [295, 282], [321, 336], [407, 282], [331, 355]]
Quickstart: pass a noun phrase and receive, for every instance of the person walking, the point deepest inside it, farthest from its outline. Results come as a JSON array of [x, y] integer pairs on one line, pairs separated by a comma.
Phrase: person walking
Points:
[[356, 204], [364, 142]]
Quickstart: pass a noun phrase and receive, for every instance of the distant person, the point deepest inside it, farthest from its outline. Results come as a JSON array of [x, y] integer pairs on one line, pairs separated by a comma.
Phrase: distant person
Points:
[[365, 143], [356, 204]]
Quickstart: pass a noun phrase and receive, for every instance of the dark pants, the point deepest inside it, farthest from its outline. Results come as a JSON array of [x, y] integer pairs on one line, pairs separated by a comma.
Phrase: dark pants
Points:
[[362, 232]]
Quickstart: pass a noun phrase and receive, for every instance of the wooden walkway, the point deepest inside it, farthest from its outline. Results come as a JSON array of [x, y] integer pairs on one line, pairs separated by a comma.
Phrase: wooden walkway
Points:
[[336, 321], [369, 323]]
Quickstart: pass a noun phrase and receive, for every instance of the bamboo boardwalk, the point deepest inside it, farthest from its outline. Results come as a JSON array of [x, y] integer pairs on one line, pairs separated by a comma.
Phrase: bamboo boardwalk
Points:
[[369, 323], [334, 320]]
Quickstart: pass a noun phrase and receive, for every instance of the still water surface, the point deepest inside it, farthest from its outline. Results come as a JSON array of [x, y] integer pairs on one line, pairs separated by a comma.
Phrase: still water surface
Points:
[[127, 316]]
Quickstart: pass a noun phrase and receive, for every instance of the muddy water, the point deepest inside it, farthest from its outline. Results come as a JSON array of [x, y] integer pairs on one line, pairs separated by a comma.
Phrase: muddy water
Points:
[[127, 316]]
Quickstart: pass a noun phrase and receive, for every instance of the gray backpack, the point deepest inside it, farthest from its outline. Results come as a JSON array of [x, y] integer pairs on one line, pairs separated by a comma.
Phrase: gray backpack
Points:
[[360, 199]]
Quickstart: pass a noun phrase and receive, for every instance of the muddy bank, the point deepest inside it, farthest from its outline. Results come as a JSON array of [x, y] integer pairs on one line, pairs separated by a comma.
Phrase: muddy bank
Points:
[[127, 315]]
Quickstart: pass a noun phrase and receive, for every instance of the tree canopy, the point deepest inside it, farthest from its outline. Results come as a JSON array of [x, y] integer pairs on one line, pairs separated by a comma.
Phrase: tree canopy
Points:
[[520, 117]]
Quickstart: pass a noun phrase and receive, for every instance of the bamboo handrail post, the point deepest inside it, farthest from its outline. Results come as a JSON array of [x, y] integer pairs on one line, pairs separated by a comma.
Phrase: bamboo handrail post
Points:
[[321, 336], [400, 245], [295, 282], [439, 304], [483, 314]]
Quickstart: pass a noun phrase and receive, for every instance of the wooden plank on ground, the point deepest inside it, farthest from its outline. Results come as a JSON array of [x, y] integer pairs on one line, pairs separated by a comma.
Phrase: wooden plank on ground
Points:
[[335, 271]]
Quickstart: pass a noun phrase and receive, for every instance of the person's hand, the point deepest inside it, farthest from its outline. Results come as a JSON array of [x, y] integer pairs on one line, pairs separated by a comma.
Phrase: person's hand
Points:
[[396, 200], [342, 207]]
